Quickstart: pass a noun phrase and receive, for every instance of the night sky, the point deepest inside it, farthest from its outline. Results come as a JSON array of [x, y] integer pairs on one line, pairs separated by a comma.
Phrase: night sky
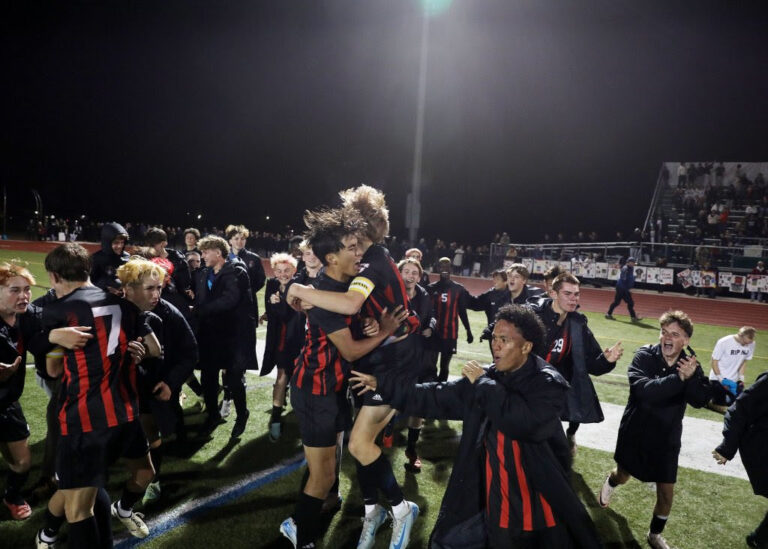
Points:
[[540, 115]]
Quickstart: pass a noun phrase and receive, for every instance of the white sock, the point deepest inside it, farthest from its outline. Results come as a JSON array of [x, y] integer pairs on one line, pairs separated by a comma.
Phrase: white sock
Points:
[[369, 509], [45, 538], [122, 512], [401, 509]]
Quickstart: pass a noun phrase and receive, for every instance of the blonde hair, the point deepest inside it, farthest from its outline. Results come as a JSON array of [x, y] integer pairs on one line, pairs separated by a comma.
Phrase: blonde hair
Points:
[[213, 242], [371, 204], [282, 257], [12, 268], [234, 230], [410, 261], [136, 269], [748, 331]]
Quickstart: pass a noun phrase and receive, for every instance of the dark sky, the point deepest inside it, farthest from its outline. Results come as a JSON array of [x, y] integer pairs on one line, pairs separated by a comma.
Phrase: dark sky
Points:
[[540, 116]]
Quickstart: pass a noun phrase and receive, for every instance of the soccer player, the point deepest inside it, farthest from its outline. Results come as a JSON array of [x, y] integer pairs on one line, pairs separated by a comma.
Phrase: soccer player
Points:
[[663, 380], [377, 286], [449, 303], [421, 304], [624, 284], [17, 326], [191, 236], [729, 362], [159, 379], [744, 430], [285, 336], [574, 351], [415, 253], [98, 411], [319, 380], [237, 236], [223, 308], [519, 291], [112, 254], [508, 488], [490, 301], [157, 239]]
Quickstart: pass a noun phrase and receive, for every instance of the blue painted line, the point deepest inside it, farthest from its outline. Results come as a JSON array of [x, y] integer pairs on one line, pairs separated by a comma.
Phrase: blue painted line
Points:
[[228, 495]]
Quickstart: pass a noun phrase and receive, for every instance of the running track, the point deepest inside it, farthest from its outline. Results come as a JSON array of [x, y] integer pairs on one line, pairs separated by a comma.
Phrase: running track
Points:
[[722, 311]]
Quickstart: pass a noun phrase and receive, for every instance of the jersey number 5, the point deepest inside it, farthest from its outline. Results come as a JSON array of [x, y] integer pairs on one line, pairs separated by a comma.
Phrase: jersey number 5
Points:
[[114, 331]]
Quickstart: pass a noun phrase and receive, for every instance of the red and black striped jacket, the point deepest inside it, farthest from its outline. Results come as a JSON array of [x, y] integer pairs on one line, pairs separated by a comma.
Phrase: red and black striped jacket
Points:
[[511, 472], [99, 381], [449, 304], [320, 369]]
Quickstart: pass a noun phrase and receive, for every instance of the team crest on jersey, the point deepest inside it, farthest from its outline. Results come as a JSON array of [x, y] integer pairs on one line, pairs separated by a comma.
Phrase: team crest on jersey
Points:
[[364, 266]]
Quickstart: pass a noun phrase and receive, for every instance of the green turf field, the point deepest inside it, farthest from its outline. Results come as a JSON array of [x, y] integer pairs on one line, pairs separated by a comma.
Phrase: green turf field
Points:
[[709, 510]]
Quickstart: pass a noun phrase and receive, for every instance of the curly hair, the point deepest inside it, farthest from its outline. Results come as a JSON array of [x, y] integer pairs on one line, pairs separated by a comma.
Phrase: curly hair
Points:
[[682, 319], [213, 242], [194, 232], [528, 324], [370, 203], [13, 268], [234, 230], [326, 228], [137, 269], [282, 257]]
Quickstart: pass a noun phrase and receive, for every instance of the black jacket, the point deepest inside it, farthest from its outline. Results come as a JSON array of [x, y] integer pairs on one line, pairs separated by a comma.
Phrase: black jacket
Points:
[[586, 358], [30, 338], [649, 435], [492, 300], [222, 312], [182, 279], [525, 405], [283, 324], [746, 429], [105, 262], [177, 363], [256, 275]]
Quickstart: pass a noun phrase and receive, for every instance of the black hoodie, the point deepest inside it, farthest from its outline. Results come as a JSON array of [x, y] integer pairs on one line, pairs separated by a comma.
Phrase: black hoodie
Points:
[[105, 262]]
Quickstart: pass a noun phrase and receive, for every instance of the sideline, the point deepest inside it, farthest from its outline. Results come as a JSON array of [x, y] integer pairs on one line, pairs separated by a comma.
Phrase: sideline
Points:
[[186, 512]]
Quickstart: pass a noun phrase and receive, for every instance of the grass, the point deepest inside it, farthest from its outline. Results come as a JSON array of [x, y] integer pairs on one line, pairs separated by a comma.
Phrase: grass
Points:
[[709, 510]]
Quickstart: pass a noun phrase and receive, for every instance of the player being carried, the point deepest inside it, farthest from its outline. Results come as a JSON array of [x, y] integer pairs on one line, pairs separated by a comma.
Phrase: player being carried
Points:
[[377, 287]]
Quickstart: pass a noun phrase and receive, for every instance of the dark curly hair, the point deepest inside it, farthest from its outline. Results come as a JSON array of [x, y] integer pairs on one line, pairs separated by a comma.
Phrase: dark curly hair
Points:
[[529, 325], [326, 228]]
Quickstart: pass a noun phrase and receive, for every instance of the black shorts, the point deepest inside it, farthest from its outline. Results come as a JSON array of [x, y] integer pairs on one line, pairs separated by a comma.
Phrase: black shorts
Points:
[[285, 360], [445, 346], [403, 360], [82, 459], [321, 417], [13, 424], [145, 397]]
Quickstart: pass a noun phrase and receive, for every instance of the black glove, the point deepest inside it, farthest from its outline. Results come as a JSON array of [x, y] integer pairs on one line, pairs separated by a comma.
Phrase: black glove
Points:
[[470, 338]]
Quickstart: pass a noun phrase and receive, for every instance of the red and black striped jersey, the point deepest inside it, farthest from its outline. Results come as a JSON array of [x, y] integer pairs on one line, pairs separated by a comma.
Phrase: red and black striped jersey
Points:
[[511, 503], [449, 303], [379, 280], [320, 369], [99, 381], [559, 348]]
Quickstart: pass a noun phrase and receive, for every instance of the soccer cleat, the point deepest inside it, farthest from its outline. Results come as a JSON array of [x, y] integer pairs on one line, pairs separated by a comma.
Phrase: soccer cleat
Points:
[[657, 541], [240, 422], [225, 408], [152, 493], [371, 523], [133, 522], [42, 544], [606, 491], [401, 527], [414, 463], [182, 399], [609, 316], [20, 511], [275, 430], [288, 529]]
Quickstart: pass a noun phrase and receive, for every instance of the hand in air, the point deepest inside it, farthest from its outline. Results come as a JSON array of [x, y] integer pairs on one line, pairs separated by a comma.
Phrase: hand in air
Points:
[[612, 354], [472, 370]]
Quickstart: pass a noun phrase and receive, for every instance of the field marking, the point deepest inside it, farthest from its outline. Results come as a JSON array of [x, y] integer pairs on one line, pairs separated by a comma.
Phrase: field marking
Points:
[[186, 512]]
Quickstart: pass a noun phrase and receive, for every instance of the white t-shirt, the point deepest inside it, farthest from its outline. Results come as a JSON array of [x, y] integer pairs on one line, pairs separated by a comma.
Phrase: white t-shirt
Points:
[[729, 354]]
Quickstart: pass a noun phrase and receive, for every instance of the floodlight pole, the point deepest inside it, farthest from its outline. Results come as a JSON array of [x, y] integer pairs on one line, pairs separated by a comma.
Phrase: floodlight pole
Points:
[[413, 220]]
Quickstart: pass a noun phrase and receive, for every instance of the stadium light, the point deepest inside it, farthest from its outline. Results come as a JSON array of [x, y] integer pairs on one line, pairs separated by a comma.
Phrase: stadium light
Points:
[[199, 216]]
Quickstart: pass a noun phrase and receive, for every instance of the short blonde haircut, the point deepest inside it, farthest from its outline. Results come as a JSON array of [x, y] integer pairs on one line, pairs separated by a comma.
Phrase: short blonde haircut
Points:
[[13, 268], [282, 257], [137, 269], [747, 331], [234, 230]]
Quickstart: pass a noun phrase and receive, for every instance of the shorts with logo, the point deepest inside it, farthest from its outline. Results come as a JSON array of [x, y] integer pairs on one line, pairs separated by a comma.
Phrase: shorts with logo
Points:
[[402, 360], [83, 459], [321, 417], [13, 424]]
